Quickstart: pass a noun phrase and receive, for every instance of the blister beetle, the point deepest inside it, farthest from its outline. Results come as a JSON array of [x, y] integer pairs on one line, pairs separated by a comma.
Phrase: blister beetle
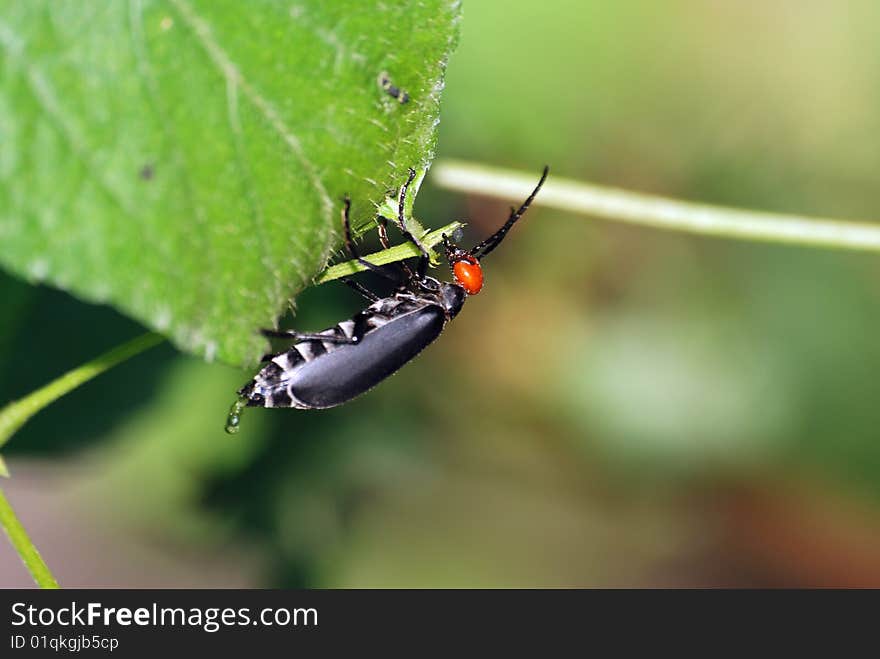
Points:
[[329, 368]]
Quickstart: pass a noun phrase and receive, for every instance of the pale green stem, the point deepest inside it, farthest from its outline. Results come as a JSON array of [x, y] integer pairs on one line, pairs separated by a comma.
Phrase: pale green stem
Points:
[[14, 416], [397, 253], [658, 212], [16, 413], [19, 539]]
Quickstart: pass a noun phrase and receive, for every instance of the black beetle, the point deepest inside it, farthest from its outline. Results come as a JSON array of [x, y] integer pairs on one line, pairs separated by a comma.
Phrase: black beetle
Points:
[[329, 368]]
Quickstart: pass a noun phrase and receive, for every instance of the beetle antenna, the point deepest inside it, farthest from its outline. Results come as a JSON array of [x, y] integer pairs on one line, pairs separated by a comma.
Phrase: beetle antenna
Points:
[[482, 249]]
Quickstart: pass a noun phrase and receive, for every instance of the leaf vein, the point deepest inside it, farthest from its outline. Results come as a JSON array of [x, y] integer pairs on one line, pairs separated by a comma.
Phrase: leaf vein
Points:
[[232, 73]]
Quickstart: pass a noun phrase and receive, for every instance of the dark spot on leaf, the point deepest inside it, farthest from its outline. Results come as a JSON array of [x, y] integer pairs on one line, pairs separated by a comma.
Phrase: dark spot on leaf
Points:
[[147, 172], [391, 89]]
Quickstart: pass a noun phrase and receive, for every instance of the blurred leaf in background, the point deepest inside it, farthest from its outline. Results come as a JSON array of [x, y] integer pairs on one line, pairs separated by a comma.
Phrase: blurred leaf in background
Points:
[[769, 349]]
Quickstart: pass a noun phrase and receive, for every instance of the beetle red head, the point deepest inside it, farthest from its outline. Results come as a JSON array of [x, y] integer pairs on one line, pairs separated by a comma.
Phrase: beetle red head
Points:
[[468, 274]]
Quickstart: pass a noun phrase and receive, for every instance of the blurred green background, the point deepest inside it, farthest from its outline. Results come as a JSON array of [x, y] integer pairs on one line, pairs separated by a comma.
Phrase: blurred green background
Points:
[[620, 407]]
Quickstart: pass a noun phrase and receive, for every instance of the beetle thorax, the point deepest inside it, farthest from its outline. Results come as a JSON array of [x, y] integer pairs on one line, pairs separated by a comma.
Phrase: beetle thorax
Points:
[[452, 296]]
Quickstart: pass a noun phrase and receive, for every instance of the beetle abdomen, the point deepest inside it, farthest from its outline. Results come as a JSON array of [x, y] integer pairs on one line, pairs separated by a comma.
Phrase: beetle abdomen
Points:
[[314, 374], [338, 376]]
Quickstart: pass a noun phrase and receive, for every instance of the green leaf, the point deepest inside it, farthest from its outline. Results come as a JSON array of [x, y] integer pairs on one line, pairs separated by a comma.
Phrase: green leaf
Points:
[[185, 160]]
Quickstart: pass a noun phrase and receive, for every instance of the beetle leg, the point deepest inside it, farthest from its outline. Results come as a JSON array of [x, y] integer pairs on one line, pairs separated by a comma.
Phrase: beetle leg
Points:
[[422, 267], [401, 203], [401, 224], [382, 229], [349, 244], [360, 288]]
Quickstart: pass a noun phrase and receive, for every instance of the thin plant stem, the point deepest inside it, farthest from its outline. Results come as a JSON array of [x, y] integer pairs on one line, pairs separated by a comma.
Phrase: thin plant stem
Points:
[[14, 415], [20, 540], [397, 253], [659, 212]]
